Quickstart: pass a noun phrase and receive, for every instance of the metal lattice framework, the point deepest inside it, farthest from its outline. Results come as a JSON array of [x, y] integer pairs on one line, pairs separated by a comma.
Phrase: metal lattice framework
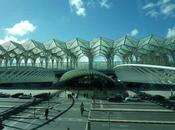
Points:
[[56, 54], [25, 75]]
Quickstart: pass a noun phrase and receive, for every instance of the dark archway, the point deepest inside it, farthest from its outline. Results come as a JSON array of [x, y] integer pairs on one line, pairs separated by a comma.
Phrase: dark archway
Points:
[[87, 79]]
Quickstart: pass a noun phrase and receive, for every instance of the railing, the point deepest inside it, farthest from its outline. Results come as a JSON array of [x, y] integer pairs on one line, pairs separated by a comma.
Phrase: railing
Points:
[[81, 65]]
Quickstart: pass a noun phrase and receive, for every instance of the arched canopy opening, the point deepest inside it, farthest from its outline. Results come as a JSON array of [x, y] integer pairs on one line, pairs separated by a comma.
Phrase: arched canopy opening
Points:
[[83, 62], [22, 62], [117, 60], [100, 62], [87, 79]]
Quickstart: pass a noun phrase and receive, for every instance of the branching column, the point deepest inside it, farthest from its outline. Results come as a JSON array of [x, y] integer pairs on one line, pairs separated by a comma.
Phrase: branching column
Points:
[[91, 59], [18, 61], [33, 61], [1, 62], [25, 61], [110, 61], [41, 62], [11, 61], [52, 62], [57, 63], [67, 62], [46, 61]]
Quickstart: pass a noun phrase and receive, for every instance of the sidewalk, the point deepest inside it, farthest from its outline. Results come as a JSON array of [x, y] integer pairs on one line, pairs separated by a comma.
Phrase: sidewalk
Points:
[[72, 119]]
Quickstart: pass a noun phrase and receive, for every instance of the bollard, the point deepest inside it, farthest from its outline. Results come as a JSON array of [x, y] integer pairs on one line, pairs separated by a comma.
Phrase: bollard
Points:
[[34, 112]]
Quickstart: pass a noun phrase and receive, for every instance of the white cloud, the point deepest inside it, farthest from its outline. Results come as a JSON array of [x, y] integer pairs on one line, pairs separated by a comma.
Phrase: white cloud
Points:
[[160, 2], [153, 13], [21, 28], [12, 38], [78, 6], [105, 3], [18, 30], [164, 8], [168, 10], [81, 12], [134, 32], [149, 5], [171, 32]]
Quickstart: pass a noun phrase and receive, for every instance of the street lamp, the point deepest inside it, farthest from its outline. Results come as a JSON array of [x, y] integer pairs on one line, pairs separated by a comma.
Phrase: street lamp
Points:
[[109, 123]]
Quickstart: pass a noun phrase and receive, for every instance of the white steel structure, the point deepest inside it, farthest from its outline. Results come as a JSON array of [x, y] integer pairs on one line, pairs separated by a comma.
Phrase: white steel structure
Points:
[[80, 73], [57, 54], [141, 73]]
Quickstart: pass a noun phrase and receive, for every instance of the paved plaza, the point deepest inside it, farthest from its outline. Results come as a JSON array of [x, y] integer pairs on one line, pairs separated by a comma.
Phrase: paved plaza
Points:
[[65, 114]]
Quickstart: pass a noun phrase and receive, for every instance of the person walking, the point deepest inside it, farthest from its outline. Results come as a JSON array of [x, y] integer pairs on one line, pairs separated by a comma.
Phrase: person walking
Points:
[[1, 125], [46, 113], [82, 108]]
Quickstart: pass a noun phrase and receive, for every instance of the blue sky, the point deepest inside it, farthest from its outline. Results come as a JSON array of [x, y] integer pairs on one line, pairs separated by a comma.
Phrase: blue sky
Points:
[[42, 20]]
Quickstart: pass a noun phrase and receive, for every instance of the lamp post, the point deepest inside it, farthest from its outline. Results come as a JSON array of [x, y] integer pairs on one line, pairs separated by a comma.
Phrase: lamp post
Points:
[[109, 123]]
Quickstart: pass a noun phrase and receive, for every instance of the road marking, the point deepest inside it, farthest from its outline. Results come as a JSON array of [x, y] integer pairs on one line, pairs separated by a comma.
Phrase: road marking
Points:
[[14, 123], [6, 106], [124, 125], [114, 125], [30, 124], [72, 119]]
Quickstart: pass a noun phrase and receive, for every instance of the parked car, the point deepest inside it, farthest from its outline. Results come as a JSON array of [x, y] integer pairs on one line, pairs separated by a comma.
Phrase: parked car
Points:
[[144, 96], [25, 96], [158, 98], [172, 97], [4, 95], [16, 95], [116, 98], [42, 95], [133, 99]]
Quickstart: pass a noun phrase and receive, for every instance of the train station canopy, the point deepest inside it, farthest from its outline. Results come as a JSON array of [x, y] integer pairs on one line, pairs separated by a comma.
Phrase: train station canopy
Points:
[[148, 50]]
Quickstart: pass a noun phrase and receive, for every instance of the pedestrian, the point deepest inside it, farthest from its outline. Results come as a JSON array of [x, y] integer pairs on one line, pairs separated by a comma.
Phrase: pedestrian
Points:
[[82, 108], [93, 99], [34, 99], [77, 96], [46, 113], [172, 92]]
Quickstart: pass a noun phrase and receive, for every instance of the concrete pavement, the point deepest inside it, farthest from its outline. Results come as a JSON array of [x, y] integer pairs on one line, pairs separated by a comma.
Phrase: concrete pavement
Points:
[[130, 116], [72, 119]]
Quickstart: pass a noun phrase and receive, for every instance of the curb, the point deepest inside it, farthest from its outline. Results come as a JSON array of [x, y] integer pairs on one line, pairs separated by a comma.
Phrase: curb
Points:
[[133, 110], [132, 121]]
